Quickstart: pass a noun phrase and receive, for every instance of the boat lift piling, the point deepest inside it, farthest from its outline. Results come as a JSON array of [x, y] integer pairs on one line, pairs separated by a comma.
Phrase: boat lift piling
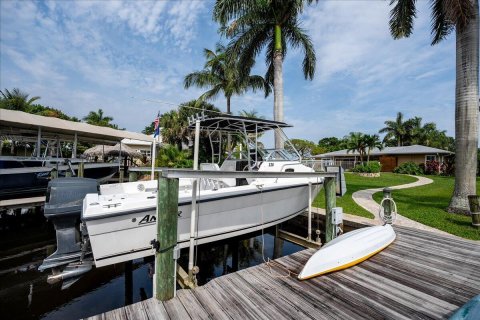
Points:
[[166, 242]]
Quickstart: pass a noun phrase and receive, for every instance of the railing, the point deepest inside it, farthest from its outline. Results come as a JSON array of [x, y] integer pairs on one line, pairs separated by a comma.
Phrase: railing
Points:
[[319, 165]]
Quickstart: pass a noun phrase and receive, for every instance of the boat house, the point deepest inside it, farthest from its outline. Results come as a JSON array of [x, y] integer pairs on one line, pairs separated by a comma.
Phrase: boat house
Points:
[[389, 157]]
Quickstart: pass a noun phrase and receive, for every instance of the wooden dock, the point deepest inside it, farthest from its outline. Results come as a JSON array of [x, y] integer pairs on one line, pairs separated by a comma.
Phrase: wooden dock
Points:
[[422, 275]]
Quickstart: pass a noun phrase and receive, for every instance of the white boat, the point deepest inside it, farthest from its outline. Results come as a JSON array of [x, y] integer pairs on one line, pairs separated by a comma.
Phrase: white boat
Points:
[[348, 250], [120, 220]]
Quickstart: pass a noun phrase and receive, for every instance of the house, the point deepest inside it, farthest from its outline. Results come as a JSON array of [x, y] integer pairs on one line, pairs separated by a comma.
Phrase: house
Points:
[[389, 157]]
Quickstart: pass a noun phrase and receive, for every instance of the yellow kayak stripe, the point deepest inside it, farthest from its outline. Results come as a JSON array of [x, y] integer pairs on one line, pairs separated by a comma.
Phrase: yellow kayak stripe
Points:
[[348, 265]]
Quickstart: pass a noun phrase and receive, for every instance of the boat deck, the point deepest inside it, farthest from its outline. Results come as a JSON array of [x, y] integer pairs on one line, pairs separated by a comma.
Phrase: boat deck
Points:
[[421, 275]]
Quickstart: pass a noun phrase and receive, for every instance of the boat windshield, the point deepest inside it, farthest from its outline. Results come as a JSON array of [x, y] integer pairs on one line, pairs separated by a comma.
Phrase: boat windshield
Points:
[[280, 155]]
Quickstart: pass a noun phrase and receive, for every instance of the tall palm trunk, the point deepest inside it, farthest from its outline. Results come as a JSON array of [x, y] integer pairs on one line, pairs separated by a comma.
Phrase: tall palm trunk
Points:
[[278, 85], [466, 114]]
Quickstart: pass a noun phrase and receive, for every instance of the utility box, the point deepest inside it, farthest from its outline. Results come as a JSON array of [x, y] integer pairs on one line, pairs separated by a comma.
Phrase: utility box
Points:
[[337, 215]]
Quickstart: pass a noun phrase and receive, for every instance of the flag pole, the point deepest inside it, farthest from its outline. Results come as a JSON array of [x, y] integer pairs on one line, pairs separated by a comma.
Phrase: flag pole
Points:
[[156, 134]]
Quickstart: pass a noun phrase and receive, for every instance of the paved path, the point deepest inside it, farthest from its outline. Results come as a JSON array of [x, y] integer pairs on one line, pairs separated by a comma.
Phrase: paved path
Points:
[[364, 199]]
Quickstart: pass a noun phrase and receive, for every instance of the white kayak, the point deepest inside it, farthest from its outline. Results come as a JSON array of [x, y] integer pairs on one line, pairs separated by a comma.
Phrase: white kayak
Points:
[[348, 250]]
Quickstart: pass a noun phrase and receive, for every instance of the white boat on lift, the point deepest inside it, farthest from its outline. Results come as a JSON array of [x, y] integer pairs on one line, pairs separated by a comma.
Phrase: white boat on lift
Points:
[[119, 222], [348, 250]]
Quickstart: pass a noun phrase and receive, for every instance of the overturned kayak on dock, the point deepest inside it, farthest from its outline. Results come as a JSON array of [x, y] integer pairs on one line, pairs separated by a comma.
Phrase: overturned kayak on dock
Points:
[[348, 250]]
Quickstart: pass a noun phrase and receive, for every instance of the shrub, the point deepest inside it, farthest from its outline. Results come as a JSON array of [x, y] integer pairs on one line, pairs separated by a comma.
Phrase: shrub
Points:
[[369, 167], [432, 167], [409, 168]]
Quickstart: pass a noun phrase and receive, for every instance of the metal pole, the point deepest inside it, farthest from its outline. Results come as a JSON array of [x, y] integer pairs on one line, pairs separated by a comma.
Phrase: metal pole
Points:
[[330, 203], [75, 142], [154, 151], [193, 217], [309, 211], [39, 142]]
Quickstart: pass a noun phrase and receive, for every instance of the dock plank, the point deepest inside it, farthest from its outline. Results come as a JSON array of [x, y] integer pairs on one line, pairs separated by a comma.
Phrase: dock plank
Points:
[[136, 311], [421, 275], [155, 309], [175, 309], [191, 305]]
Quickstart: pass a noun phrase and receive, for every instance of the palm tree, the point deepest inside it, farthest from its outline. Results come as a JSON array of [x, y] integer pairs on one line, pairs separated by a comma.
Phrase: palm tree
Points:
[[461, 15], [396, 130], [222, 73], [17, 99], [98, 119], [272, 25], [174, 124], [372, 142], [356, 142]]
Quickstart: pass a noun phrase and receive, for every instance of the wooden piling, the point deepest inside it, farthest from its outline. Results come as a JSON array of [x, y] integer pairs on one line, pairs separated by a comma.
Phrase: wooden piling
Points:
[[121, 176], [167, 215], [330, 203], [474, 203], [132, 176], [81, 169], [53, 174]]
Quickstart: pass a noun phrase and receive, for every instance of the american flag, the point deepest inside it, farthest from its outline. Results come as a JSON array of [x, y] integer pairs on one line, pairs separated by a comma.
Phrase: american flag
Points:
[[156, 125]]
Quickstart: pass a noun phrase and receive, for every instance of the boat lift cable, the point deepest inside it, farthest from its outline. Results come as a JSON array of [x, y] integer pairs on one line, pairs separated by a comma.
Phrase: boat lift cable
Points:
[[269, 262], [381, 211]]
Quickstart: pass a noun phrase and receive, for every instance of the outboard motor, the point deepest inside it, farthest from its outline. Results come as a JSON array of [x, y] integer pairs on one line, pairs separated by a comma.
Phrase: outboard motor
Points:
[[63, 206]]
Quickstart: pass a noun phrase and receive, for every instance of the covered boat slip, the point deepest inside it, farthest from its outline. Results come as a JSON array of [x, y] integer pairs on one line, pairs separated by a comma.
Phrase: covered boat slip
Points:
[[421, 275], [26, 177], [22, 126]]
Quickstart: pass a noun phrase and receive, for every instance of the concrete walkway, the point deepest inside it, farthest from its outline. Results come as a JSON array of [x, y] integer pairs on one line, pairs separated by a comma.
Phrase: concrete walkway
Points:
[[364, 198]]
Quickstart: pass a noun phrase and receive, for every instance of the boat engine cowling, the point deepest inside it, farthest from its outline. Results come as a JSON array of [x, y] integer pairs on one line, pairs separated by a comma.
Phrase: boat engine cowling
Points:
[[63, 207]]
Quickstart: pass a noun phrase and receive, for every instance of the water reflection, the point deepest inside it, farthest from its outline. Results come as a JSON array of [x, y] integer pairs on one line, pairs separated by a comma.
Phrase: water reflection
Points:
[[25, 294]]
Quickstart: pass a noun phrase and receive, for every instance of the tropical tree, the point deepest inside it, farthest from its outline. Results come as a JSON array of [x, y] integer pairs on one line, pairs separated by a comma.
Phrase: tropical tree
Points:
[[371, 142], [170, 156], [222, 73], [395, 130], [356, 143], [250, 114], [254, 25], [174, 125], [16, 100], [304, 147], [330, 144], [97, 118], [461, 16]]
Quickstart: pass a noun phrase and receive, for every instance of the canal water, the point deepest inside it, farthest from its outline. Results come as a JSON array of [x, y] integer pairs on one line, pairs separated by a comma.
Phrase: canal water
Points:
[[26, 239]]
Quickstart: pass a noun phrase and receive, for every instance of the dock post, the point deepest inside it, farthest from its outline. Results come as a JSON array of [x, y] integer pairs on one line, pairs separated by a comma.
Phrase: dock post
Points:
[[128, 282], [387, 205], [167, 216], [330, 203], [81, 167], [132, 176], [121, 176], [473, 201]]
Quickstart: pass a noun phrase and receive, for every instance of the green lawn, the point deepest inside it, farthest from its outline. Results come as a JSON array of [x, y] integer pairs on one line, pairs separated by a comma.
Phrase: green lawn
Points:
[[355, 183], [426, 204]]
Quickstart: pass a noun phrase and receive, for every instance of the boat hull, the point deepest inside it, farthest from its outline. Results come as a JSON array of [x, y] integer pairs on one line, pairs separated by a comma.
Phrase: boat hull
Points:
[[120, 236], [348, 250]]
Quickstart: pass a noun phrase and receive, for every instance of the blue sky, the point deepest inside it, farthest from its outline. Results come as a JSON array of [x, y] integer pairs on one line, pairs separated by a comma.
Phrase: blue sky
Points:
[[120, 56]]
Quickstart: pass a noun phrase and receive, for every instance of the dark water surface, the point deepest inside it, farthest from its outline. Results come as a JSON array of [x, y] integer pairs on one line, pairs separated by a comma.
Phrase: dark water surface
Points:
[[25, 293]]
